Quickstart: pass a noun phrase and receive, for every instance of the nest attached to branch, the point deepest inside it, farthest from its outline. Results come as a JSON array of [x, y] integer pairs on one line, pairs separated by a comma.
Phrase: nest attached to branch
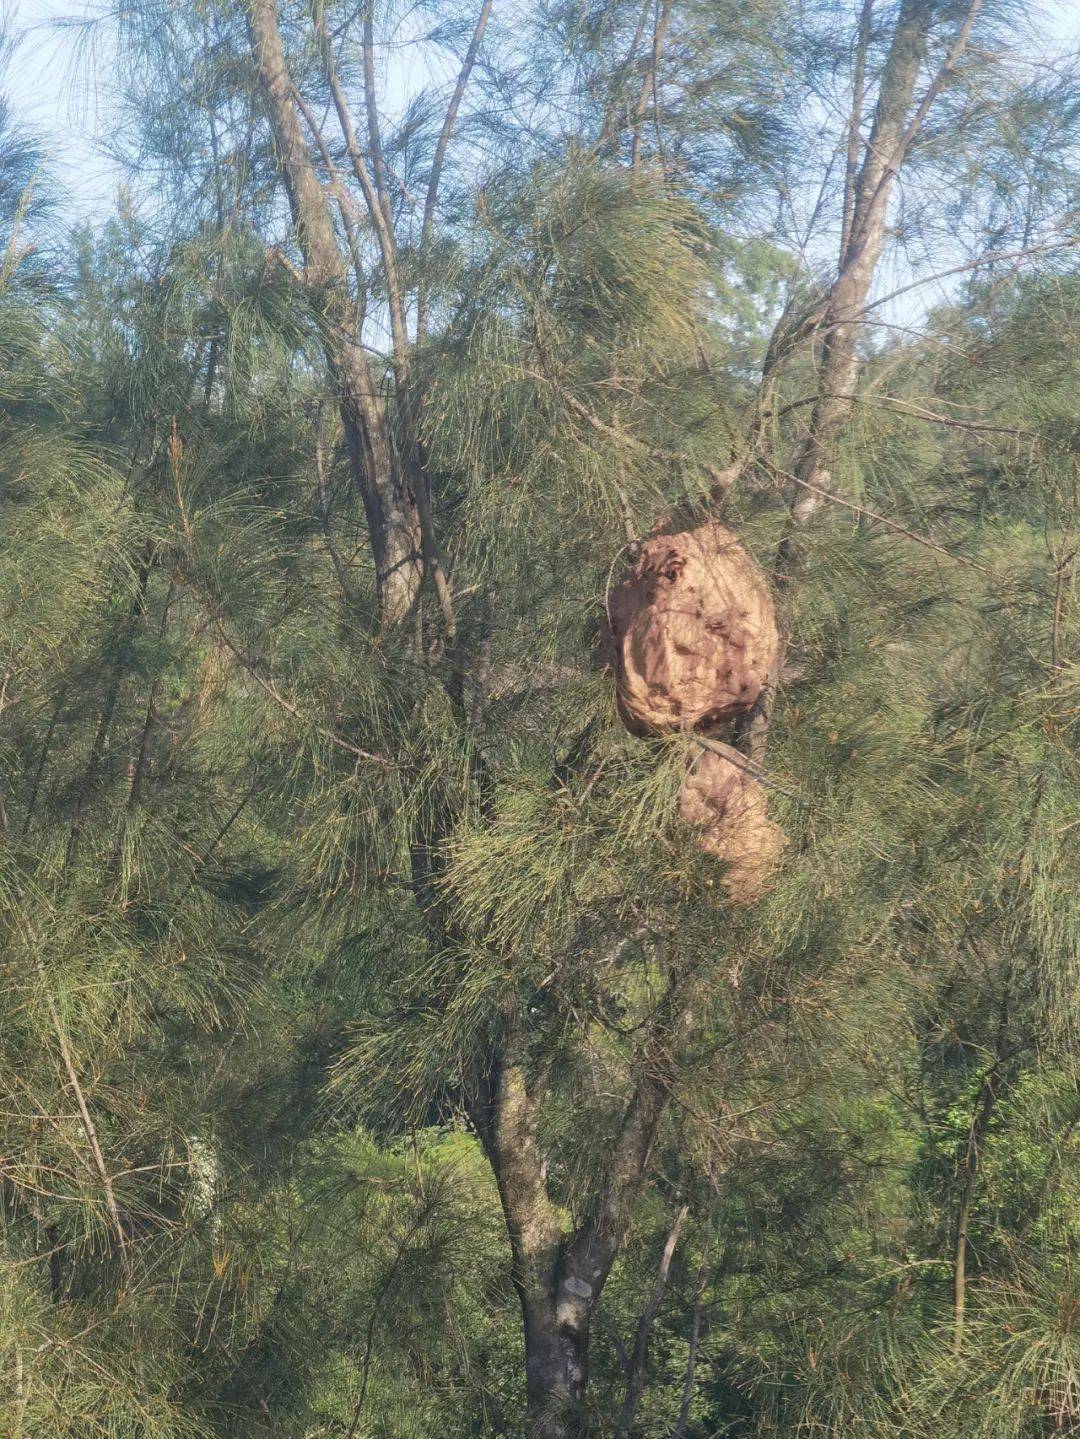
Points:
[[729, 808], [692, 640], [691, 632]]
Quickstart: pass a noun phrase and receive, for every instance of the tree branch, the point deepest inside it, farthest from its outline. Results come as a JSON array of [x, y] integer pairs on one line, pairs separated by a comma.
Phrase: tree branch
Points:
[[85, 1118], [375, 194], [722, 479], [437, 165], [993, 258], [590, 1251], [378, 164], [649, 81], [935, 87], [340, 194], [691, 1359], [635, 1366], [916, 412], [879, 519]]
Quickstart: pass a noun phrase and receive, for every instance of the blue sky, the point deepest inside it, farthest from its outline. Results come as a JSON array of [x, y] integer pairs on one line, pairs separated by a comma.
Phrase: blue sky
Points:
[[61, 89], [55, 93]]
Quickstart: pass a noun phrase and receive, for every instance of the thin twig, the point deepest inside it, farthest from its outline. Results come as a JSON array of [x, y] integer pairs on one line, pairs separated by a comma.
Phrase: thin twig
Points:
[[384, 1288], [324, 512], [721, 478], [84, 1110], [1064, 575], [916, 412], [691, 1358], [880, 519], [287, 705], [992, 258], [374, 192], [441, 146], [740, 761]]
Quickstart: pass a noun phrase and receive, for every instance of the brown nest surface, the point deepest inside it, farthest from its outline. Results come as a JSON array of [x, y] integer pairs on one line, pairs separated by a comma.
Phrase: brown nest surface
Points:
[[728, 806], [691, 631]]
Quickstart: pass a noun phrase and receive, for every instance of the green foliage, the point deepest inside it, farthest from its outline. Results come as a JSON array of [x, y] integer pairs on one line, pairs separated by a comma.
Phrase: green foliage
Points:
[[275, 883]]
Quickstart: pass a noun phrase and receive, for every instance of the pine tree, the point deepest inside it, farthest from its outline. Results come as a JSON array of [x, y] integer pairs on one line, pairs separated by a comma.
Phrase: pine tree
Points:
[[363, 981]]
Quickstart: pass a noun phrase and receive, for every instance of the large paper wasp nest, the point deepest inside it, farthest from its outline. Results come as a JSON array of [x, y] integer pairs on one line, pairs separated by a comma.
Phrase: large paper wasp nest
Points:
[[692, 641], [692, 631], [728, 805]]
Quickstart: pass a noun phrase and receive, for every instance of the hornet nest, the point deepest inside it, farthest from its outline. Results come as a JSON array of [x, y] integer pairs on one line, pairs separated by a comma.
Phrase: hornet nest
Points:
[[728, 805], [692, 640], [692, 631]]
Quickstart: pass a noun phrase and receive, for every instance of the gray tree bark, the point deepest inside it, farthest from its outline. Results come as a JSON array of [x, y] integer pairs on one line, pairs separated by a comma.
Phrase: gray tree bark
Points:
[[861, 249], [558, 1272], [389, 504]]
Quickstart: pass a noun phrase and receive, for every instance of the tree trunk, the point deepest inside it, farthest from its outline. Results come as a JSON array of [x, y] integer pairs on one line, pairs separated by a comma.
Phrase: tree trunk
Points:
[[389, 505], [506, 1118], [558, 1274], [861, 249], [556, 1369], [505, 1114]]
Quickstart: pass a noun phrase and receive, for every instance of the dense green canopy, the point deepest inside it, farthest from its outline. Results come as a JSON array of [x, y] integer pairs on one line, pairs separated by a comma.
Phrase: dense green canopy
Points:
[[360, 985]]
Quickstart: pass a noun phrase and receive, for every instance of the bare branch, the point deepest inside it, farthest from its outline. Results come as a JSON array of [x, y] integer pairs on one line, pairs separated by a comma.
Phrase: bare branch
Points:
[[916, 412], [1061, 589], [89, 1129], [635, 1367], [691, 1359], [378, 164], [437, 163], [747, 765], [649, 81], [879, 519], [934, 89], [993, 258], [375, 194], [609, 126]]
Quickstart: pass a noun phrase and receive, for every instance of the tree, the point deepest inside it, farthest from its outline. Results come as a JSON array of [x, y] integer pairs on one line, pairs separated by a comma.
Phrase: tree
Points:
[[390, 878]]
